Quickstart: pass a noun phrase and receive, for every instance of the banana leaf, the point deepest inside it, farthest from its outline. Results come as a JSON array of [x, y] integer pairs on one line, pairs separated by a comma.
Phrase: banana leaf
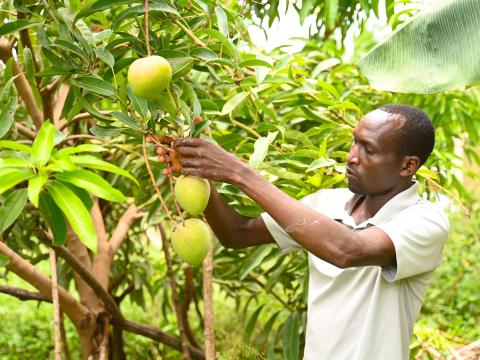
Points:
[[437, 50]]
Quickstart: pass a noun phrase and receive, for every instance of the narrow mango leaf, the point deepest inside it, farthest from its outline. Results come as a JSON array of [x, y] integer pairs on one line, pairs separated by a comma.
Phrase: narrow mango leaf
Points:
[[254, 260], [331, 9], [18, 25], [95, 85], [234, 102], [105, 55], [291, 338], [127, 120], [79, 149], [228, 45], [15, 163], [157, 6], [7, 89], [76, 213], [93, 162], [265, 334], [140, 105], [92, 183], [101, 5], [251, 324], [319, 163], [255, 62], [436, 51], [43, 145], [222, 21], [13, 145], [35, 185], [11, 177], [261, 149], [7, 115], [12, 208], [53, 217]]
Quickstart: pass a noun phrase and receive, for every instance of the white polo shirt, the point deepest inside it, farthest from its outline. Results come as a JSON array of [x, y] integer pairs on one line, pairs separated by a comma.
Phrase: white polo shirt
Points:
[[367, 313]]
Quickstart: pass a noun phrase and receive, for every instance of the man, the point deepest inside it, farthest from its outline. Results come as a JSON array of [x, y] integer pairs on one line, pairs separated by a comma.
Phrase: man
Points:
[[372, 248]]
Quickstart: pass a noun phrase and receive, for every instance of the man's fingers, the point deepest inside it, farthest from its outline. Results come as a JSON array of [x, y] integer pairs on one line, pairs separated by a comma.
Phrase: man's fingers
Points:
[[160, 139], [188, 151], [187, 142]]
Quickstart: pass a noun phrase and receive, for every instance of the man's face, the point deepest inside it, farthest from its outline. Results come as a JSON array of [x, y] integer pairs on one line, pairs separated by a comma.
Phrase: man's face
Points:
[[373, 164]]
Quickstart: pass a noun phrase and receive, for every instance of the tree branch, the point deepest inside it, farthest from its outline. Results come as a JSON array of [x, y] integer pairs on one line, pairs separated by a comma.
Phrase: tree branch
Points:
[[79, 314], [22, 129], [22, 84], [156, 334], [124, 224], [23, 295]]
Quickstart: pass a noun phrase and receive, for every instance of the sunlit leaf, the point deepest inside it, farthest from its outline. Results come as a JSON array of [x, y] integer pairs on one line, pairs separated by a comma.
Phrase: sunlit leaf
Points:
[[43, 145], [76, 213], [35, 185], [260, 149], [12, 176], [12, 208]]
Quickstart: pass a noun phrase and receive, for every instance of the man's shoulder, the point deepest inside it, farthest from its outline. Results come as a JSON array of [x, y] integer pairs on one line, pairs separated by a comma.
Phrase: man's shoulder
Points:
[[426, 209]]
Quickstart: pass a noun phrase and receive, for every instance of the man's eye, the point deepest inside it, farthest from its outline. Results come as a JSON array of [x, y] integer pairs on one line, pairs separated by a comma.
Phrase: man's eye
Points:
[[369, 150]]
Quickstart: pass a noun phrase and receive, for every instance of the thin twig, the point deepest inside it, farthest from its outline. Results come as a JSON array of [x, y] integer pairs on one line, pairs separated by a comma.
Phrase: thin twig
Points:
[[208, 331], [176, 302], [147, 30], [152, 178], [56, 305], [23, 295]]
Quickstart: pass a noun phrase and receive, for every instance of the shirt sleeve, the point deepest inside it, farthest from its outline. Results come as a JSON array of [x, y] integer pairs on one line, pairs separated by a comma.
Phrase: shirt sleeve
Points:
[[418, 235]]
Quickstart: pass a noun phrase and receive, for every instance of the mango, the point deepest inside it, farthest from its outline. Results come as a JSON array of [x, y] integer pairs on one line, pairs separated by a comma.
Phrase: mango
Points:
[[191, 240], [192, 193]]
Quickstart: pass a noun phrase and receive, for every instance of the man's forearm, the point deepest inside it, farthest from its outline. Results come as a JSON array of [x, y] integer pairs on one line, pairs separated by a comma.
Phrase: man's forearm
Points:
[[317, 233], [232, 229]]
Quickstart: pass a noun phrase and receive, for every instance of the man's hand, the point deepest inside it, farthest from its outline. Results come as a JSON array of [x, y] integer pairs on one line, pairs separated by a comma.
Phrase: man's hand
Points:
[[202, 158]]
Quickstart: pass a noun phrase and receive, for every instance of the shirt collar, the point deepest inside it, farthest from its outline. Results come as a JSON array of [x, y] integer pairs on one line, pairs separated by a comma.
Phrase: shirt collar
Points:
[[392, 207]]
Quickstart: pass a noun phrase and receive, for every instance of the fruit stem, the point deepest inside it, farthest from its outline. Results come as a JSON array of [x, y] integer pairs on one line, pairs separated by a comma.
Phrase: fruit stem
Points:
[[147, 31], [152, 178], [170, 179]]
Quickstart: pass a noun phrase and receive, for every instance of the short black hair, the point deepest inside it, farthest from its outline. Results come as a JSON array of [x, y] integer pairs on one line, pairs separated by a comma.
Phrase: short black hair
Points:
[[416, 136]]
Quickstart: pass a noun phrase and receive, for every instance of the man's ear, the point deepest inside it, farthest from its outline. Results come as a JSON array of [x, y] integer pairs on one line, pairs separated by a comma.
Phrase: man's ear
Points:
[[410, 165]]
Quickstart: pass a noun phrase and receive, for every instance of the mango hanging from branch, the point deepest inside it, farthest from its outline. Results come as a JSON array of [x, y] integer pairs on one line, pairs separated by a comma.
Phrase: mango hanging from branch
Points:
[[191, 240], [149, 76]]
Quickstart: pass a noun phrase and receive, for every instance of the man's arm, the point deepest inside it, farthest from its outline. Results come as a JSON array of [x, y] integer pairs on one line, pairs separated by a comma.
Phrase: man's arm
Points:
[[232, 229], [320, 235]]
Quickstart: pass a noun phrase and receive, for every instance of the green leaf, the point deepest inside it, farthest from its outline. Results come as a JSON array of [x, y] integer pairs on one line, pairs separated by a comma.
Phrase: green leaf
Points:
[[234, 102], [7, 115], [99, 130], [255, 62], [92, 183], [331, 11], [222, 21], [53, 217], [96, 163], [105, 55], [251, 324], [18, 25], [71, 48], [157, 6], [12, 208], [11, 177], [4, 260], [13, 145], [319, 163], [436, 51], [43, 145], [140, 105], [291, 338], [254, 260], [95, 85], [261, 149], [80, 148], [228, 45], [15, 163], [127, 120], [76, 213], [35, 185]]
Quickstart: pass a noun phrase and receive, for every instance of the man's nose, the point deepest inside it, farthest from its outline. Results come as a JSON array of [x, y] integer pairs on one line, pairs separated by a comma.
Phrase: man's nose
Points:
[[352, 157]]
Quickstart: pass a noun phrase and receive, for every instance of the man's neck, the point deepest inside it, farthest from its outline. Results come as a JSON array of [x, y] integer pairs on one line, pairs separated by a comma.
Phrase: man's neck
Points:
[[368, 205]]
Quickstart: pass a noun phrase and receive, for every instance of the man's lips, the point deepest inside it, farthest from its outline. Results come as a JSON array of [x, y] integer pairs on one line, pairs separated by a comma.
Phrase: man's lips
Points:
[[349, 172]]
